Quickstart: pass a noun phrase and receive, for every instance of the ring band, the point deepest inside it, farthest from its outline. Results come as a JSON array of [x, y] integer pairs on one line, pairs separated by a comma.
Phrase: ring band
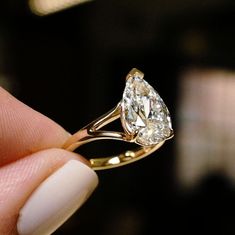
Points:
[[145, 120]]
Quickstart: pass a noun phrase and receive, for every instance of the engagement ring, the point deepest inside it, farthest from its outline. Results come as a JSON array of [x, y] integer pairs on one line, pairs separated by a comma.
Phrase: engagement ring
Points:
[[145, 120]]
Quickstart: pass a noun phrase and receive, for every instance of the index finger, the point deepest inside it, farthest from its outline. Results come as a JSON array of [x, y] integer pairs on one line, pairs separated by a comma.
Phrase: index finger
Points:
[[24, 131]]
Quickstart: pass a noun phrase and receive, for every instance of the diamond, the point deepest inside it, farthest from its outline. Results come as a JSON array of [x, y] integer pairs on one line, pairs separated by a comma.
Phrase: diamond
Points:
[[144, 113]]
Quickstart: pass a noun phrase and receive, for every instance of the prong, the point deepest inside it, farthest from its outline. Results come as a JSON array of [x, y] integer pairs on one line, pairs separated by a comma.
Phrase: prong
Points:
[[135, 72], [171, 135]]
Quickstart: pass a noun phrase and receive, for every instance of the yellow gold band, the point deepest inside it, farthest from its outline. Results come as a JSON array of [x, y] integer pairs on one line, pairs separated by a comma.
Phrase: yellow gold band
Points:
[[91, 133]]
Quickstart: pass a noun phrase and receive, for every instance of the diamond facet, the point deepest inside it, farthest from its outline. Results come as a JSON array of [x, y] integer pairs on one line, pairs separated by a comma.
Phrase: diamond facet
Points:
[[144, 113]]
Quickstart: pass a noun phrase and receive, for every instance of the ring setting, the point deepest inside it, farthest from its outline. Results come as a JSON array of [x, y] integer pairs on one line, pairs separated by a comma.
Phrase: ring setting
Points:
[[143, 112], [145, 120]]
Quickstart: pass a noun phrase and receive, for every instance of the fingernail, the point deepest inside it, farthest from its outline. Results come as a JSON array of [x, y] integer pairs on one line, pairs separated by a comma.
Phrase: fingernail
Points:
[[56, 199]]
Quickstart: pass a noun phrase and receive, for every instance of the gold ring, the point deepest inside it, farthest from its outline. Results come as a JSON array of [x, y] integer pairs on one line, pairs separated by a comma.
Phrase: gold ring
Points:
[[145, 120]]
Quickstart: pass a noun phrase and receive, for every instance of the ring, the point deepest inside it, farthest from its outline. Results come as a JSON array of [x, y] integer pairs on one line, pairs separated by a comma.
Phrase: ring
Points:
[[145, 120]]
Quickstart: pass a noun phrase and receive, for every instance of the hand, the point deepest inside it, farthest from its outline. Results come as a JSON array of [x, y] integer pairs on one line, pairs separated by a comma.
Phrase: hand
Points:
[[41, 185]]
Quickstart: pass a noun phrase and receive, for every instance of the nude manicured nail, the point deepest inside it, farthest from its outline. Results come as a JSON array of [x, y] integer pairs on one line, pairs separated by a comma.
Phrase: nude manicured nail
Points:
[[56, 199]]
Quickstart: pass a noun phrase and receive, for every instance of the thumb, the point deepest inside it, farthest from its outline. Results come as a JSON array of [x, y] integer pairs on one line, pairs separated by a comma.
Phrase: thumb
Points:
[[40, 192]]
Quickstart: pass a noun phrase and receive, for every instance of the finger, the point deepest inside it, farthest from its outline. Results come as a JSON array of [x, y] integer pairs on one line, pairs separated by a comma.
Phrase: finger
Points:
[[46, 187], [24, 131]]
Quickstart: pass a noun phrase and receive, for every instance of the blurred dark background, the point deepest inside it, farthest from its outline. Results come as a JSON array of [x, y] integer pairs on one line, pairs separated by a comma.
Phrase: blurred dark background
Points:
[[71, 64]]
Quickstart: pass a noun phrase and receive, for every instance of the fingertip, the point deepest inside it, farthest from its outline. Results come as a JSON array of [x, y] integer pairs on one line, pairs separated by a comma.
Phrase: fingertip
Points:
[[20, 179], [57, 198], [26, 129]]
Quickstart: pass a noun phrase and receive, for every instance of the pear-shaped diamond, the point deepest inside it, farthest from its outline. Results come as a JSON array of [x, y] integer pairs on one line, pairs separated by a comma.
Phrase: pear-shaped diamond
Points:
[[144, 112]]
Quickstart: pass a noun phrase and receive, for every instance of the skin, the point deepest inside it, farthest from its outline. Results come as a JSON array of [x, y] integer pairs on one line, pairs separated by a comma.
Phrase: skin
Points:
[[30, 150]]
